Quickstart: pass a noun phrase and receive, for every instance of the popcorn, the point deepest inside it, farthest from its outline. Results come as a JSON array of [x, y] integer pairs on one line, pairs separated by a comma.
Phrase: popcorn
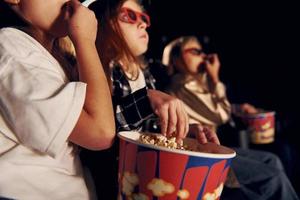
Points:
[[140, 196], [129, 181], [218, 190], [215, 195], [209, 196], [160, 187], [266, 126], [183, 194], [160, 140]]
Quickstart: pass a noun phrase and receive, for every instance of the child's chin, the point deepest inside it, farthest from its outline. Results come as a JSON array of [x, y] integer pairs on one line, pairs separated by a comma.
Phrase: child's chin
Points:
[[141, 51]]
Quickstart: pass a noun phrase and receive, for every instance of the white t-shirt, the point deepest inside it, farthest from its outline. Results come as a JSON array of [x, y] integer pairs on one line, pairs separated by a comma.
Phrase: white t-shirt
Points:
[[40, 107]]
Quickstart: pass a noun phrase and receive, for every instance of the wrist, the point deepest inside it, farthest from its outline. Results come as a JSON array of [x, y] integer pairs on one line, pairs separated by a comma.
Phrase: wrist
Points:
[[215, 81], [83, 42]]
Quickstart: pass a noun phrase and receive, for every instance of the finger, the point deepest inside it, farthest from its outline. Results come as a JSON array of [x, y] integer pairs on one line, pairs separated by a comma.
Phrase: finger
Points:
[[172, 119], [216, 60], [181, 124], [163, 118], [186, 120], [187, 124], [208, 63], [215, 56], [201, 137], [179, 141], [211, 135]]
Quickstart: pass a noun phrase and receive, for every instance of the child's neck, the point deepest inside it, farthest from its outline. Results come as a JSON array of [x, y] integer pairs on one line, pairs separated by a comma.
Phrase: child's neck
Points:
[[131, 70], [44, 39]]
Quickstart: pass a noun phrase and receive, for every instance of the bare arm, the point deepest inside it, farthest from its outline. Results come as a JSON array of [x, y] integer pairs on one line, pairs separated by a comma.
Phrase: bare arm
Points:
[[95, 128]]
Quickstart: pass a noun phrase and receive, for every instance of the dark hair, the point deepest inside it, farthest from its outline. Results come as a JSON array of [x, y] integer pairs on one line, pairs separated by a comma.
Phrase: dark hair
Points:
[[8, 17], [175, 55], [111, 44]]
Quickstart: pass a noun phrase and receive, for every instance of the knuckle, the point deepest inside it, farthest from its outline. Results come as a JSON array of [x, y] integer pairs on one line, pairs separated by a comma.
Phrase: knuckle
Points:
[[172, 123], [163, 121], [164, 107], [181, 120]]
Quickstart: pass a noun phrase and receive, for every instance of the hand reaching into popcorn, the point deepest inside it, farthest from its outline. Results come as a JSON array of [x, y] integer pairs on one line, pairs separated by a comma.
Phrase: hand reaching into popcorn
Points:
[[203, 134]]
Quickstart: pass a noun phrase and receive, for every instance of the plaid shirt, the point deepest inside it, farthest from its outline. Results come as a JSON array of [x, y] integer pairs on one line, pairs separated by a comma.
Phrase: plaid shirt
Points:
[[132, 110]]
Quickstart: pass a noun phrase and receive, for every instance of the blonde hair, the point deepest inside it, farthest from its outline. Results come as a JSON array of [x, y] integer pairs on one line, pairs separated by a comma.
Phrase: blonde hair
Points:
[[66, 46]]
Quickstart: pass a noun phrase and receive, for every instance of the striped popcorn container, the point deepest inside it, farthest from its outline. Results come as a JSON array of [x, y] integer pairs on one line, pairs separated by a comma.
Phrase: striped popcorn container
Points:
[[261, 127], [148, 172]]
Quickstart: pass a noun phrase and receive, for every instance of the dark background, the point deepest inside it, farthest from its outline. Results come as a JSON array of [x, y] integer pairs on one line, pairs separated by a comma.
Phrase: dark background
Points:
[[258, 46]]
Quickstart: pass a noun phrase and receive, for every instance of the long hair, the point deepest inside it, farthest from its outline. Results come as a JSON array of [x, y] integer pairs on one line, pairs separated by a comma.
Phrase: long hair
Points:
[[173, 53], [8, 18], [111, 44]]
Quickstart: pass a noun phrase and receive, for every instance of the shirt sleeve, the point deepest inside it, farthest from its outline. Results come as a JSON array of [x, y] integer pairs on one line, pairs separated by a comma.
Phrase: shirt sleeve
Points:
[[40, 107]]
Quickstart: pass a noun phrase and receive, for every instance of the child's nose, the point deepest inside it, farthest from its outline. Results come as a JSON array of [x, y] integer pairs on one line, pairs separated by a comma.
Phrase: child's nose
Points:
[[142, 24]]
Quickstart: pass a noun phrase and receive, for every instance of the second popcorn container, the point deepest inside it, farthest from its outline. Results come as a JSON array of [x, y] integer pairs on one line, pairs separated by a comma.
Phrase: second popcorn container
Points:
[[261, 127], [148, 172]]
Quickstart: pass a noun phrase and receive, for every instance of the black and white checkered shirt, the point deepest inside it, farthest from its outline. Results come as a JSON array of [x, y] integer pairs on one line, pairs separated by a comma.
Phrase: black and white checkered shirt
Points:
[[134, 109]]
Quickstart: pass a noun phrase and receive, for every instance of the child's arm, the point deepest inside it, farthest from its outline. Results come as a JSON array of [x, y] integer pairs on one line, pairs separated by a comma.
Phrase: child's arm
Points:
[[95, 128]]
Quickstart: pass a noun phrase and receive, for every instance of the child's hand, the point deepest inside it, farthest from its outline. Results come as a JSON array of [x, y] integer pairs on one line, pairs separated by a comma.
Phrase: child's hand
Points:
[[203, 134], [171, 113], [248, 108], [82, 23], [212, 65]]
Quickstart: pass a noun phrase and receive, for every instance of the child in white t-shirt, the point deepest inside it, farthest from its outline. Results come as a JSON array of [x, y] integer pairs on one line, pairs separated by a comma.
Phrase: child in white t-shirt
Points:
[[44, 116]]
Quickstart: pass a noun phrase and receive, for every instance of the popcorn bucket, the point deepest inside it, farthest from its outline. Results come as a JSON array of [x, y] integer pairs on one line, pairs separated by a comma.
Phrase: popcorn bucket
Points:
[[148, 172], [261, 127]]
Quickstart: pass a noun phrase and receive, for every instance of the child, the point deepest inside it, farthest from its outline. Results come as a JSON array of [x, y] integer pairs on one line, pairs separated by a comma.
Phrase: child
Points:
[[195, 80], [122, 39], [44, 116], [120, 42]]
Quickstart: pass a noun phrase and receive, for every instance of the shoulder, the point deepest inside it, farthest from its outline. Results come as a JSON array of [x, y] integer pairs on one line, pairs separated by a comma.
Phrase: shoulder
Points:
[[19, 52], [19, 44], [120, 84], [14, 42]]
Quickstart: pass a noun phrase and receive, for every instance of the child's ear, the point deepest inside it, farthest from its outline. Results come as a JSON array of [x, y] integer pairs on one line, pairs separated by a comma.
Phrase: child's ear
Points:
[[13, 2]]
